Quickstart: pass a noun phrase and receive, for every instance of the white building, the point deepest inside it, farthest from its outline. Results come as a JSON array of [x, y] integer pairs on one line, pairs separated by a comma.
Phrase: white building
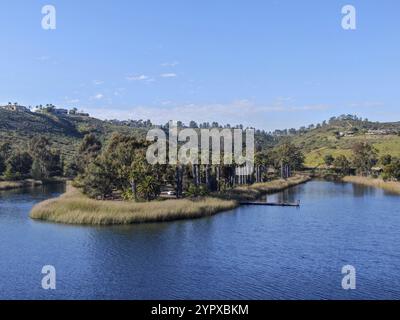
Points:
[[16, 108]]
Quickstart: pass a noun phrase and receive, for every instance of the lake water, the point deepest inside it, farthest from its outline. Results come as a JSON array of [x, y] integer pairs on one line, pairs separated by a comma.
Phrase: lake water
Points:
[[248, 253]]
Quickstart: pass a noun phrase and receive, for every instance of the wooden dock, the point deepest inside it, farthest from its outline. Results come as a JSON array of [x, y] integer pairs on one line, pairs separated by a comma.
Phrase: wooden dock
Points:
[[271, 204]]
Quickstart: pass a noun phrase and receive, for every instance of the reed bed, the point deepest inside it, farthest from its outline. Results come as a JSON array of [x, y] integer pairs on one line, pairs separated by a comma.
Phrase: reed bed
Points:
[[257, 190], [73, 207], [391, 186]]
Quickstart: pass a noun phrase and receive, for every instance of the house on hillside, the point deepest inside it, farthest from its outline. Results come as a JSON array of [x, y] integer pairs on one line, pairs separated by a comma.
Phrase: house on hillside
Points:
[[75, 112], [380, 132], [347, 133], [60, 111], [16, 108], [82, 114]]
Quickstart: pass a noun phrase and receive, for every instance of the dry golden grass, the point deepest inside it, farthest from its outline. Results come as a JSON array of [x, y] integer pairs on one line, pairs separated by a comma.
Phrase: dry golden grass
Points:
[[8, 185], [255, 191], [75, 208], [391, 186]]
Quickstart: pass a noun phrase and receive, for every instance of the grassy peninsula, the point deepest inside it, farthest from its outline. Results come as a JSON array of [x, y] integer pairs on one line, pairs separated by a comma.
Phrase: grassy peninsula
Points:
[[74, 207]]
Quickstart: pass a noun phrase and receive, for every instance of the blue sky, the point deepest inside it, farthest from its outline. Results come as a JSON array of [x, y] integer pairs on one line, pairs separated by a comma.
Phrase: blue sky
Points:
[[268, 64]]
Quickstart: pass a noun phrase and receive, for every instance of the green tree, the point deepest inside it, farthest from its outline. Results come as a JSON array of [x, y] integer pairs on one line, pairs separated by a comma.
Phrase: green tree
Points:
[[290, 155], [329, 159], [2, 165], [392, 170], [364, 157], [55, 165], [122, 166], [47, 161], [385, 159], [90, 145], [342, 165], [5, 150], [39, 149], [98, 181], [127, 155], [88, 150], [36, 171], [18, 165], [71, 169], [148, 188]]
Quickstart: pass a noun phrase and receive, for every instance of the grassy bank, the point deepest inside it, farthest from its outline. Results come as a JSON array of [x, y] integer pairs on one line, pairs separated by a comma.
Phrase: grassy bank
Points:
[[255, 191], [378, 183], [8, 185], [75, 208]]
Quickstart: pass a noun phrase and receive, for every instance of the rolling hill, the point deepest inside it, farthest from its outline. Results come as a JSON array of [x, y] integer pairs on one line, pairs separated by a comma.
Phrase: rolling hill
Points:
[[334, 137], [338, 137], [64, 131]]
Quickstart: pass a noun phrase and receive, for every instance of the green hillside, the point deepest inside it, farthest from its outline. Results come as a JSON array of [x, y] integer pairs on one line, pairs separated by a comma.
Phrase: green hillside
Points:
[[338, 137], [335, 137], [64, 131]]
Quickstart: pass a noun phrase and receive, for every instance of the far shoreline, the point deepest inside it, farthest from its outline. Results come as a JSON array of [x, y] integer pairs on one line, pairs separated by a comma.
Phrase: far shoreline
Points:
[[391, 186], [75, 208], [11, 185], [28, 183]]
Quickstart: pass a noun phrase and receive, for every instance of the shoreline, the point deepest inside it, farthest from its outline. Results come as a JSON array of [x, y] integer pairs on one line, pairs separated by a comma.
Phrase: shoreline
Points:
[[11, 185], [391, 186], [28, 183], [73, 207]]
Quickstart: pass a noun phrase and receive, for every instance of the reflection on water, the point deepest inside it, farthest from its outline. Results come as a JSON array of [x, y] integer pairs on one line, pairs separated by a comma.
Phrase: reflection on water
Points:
[[282, 197], [249, 253]]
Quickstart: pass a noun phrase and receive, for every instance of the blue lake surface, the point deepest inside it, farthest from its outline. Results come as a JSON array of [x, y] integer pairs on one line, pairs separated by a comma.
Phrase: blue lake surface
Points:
[[253, 252]]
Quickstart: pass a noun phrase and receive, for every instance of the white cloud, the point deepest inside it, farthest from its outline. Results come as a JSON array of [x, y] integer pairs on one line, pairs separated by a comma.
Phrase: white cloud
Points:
[[97, 82], [69, 100], [166, 103], [170, 64], [367, 104], [98, 96], [43, 58], [168, 75], [240, 111], [137, 78], [73, 101], [118, 92]]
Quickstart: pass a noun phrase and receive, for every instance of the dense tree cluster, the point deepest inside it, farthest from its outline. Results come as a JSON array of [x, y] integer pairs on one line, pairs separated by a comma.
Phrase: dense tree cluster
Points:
[[39, 160], [120, 169], [391, 167], [364, 161], [365, 156]]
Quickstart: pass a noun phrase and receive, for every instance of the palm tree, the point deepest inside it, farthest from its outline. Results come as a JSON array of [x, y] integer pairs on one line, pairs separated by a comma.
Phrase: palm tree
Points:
[[148, 188]]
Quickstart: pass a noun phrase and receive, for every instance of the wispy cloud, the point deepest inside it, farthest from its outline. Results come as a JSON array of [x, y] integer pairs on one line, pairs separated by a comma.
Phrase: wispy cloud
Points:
[[118, 92], [43, 58], [73, 101], [170, 64], [98, 96], [366, 104], [97, 82], [168, 75], [70, 100], [239, 111], [137, 78]]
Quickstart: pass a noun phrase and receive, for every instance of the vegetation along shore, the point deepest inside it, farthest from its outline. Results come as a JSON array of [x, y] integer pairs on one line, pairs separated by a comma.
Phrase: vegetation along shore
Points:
[[392, 186], [8, 185], [113, 182], [74, 207]]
